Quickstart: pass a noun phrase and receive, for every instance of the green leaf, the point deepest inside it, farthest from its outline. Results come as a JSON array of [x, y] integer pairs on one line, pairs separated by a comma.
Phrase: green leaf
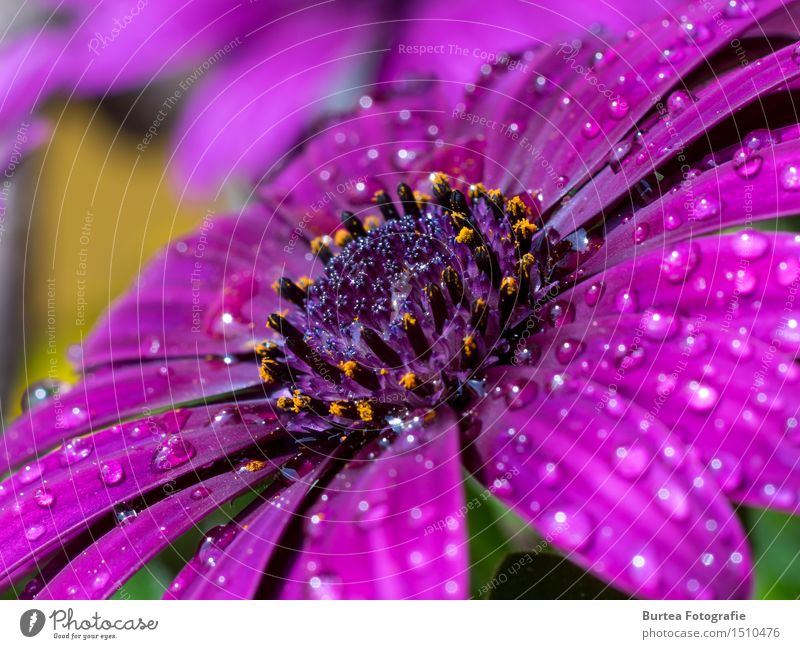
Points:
[[538, 574]]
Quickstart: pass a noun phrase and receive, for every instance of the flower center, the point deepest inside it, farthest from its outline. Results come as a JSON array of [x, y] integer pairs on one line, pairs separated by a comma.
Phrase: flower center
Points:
[[411, 308]]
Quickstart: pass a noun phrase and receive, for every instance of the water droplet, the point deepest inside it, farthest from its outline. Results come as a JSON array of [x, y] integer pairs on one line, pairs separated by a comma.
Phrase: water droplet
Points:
[[790, 178], [681, 262], [593, 294], [519, 397], [675, 501], [40, 392], [34, 532], [631, 462], [44, 497], [76, 450], [200, 493], [561, 313], [696, 32], [641, 233], [590, 129], [100, 579], [112, 472], [627, 301], [567, 527], [750, 245], [672, 221], [704, 208], [124, 513], [702, 397], [373, 516], [568, 350], [173, 452], [325, 586], [737, 8], [678, 102], [725, 468], [29, 473], [618, 108], [660, 326], [213, 545], [746, 163], [618, 154]]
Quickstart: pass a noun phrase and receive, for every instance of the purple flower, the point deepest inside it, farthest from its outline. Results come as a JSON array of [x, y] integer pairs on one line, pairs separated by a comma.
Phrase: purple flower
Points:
[[530, 287], [246, 78]]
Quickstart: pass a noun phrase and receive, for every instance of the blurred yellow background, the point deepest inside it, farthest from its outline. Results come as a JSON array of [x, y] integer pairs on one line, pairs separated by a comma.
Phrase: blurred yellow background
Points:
[[100, 210]]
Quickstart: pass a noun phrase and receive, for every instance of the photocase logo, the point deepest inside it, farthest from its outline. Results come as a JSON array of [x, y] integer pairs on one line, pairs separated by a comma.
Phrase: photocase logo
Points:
[[31, 622]]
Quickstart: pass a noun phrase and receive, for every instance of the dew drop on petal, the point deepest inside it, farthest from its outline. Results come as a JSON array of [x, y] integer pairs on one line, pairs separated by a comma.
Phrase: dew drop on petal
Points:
[[641, 233], [325, 586], [627, 301], [678, 102], [76, 450], [590, 129], [746, 163], [173, 452], [593, 294], [618, 108], [750, 245], [112, 472], [29, 473], [561, 313], [568, 350], [702, 397], [737, 8], [200, 493], [44, 497], [790, 178], [704, 208], [672, 221], [631, 462], [34, 532], [567, 527]]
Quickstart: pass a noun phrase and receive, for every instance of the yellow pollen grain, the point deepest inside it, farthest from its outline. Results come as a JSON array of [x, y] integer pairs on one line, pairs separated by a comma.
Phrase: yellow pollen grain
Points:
[[342, 238], [285, 403], [317, 244], [349, 368], [364, 410], [371, 222], [304, 282], [422, 198], [266, 377], [440, 183], [516, 207], [524, 227], [469, 346], [254, 465], [509, 285], [477, 190], [409, 380], [409, 320], [383, 371], [465, 235], [377, 195], [337, 408]]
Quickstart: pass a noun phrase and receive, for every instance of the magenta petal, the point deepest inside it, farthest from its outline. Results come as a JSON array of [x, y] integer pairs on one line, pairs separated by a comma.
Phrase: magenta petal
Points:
[[114, 394], [89, 475], [388, 526], [239, 568], [687, 118], [634, 506], [101, 569]]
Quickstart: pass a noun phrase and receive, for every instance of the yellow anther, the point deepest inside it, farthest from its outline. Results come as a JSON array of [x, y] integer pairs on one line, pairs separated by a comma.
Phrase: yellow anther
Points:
[[509, 285], [477, 190], [422, 198], [440, 183], [285, 403], [524, 227], [371, 222], [349, 368], [317, 244], [337, 408], [516, 207], [469, 346], [409, 320], [409, 380], [253, 465], [466, 235], [304, 282], [364, 410], [342, 238], [525, 264]]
